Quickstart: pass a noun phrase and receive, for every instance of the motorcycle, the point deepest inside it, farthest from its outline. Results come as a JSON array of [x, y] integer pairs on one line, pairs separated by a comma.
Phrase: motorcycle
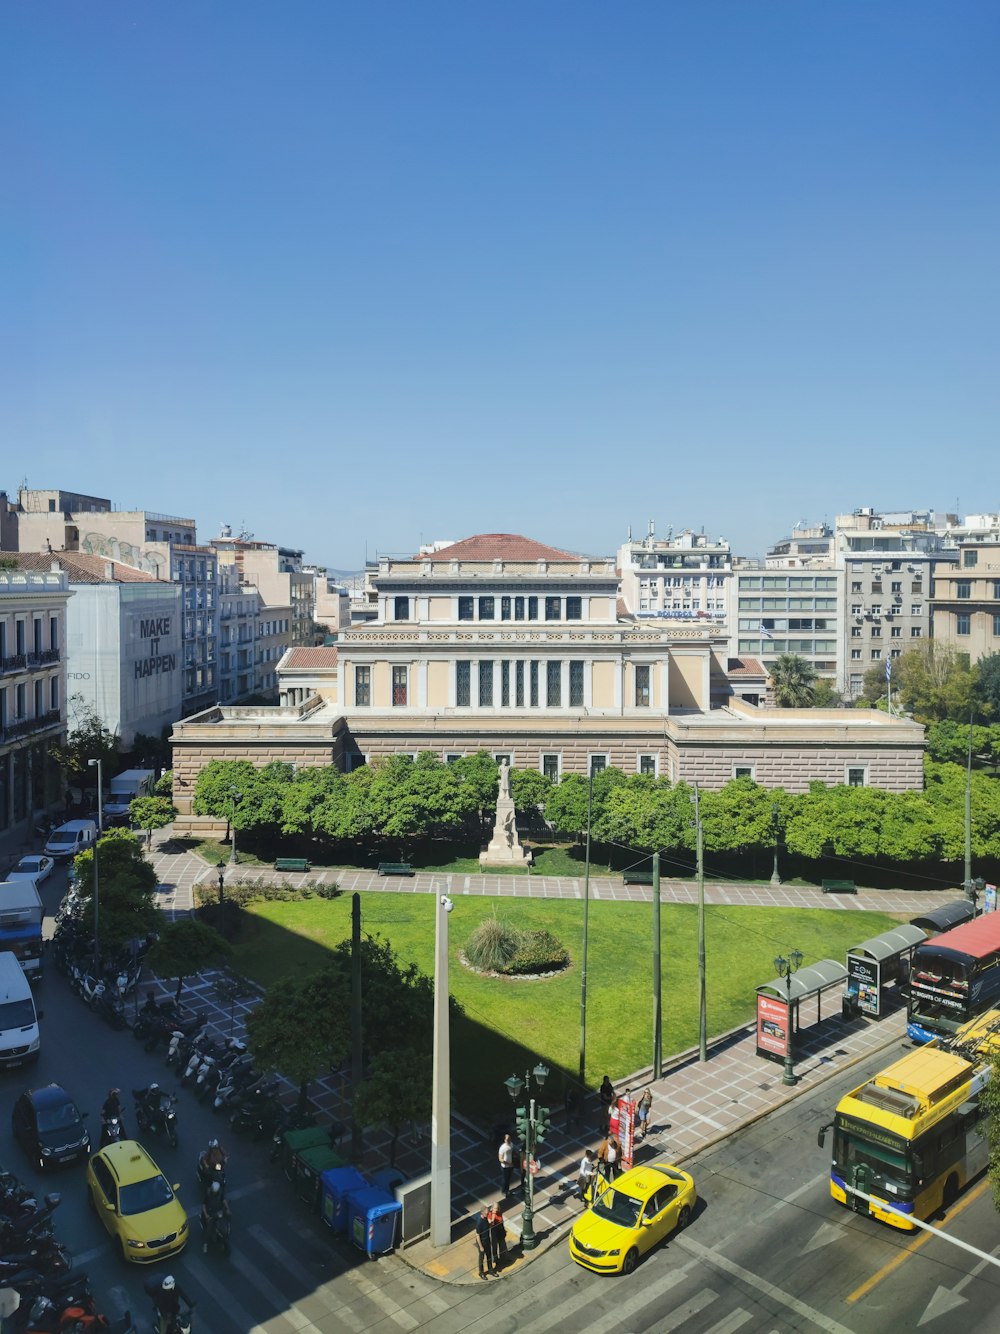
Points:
[[158, 1118], [112, 1131], [27, 1222], [48, 1316], [208, 1173], [217, 1233], [177, 1324], [233, 1083]]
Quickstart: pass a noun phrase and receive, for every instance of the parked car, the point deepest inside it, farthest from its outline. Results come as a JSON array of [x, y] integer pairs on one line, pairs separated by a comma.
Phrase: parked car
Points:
[[136, 1203], [70, 838], [36, 868], [631, 1216], [49, 1127]]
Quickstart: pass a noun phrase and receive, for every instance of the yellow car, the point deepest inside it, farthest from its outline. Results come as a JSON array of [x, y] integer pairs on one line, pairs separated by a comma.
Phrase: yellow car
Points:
[[632, 1216], [136, 1203]]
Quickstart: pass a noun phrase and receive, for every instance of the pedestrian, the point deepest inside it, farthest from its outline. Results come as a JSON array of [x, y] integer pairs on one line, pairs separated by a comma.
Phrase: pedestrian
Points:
[[606, 1093], [609, 1156], [588, 1170], [642, 1112], [505, 1157], [498, 1237], [484, 1248]]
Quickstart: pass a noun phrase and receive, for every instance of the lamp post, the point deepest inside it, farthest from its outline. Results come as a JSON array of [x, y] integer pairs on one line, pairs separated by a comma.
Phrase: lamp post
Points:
[[100, 830], [221, 868], [100, 793], [234, 797], [775, 835], [441, 1082], [973, 889], [533, 1123], [785, 968]]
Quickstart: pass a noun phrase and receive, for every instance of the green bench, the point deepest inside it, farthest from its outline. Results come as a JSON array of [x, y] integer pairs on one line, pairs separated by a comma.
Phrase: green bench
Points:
[[637, 877], [839, 887], [395, 868], [291, 864]]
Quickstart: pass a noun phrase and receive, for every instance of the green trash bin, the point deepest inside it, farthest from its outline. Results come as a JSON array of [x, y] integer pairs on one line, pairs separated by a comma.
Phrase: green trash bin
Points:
[[297, 1140], [310, 1164]]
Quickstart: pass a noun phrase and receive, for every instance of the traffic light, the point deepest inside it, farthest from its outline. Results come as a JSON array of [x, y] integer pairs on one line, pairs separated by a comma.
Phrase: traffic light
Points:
[[522, 1123], [543, 1123]]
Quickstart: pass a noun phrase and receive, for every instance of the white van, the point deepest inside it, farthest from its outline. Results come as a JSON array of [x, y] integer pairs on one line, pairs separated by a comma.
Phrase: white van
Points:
[[70, 838], [19, 1040]]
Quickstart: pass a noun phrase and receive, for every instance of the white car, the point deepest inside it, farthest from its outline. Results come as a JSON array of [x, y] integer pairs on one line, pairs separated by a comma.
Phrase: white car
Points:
[[32, 868]]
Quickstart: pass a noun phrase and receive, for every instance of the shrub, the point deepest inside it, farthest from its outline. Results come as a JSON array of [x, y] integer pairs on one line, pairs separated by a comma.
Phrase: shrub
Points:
[[244, 892], [538, 952], [493, 945]]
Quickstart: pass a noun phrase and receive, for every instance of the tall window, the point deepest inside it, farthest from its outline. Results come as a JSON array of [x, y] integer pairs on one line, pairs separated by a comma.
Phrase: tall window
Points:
[[463, 684], [486, 684], [505, 609], [553, 609], [996, 626], [553, 684], [54, 693], [19, 637], [401, 609], [963, 589], [574, 609], [970, 559], [533, 684], [505, 684], [36, 631], [532, 609], [486, 609], [550, 767], [576, 685], [466, 610], [21, 701], [996, 588], [39, 698], [598, 763], [519, 609], [963, 623], [642, 686], [3, 724], [647, 765], [518, 685], [399, 687]]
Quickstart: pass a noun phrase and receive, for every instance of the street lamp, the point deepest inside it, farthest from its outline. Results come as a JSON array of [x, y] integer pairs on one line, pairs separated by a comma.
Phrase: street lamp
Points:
[[100, 793], [221, 868], [234, 797], [533, 1123], [441, 1082], [973, 889], [785, 968], [775, 834]]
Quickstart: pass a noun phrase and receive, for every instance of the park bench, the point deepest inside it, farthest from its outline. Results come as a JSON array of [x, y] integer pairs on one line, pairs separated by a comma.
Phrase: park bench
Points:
[[839, 887], [395, 868], [633, 877], [291, 864]]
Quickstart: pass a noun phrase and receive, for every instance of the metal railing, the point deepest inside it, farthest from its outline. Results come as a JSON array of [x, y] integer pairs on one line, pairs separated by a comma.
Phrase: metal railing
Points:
[[10, 731], [22, 662]]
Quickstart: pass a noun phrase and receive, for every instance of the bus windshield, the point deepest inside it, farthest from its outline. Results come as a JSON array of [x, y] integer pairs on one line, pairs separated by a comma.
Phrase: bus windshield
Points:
[[885, 1158]]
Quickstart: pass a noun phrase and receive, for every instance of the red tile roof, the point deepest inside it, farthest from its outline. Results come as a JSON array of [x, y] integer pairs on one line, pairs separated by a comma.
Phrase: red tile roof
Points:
[[83, 568], [745, 667], [312, 657], [498, 546], [622, 611]]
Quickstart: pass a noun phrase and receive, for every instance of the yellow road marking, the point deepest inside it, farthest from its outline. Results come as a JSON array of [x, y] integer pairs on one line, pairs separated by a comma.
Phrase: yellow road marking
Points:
[[915, 1245]]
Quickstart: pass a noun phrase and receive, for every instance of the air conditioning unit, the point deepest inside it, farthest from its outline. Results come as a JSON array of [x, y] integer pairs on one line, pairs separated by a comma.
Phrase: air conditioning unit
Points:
[[859, 619], [897, 597], [911, 569], [868, 615]]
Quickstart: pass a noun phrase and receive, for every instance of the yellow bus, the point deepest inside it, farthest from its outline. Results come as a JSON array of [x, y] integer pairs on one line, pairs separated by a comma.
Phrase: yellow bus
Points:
[[910, 1137]]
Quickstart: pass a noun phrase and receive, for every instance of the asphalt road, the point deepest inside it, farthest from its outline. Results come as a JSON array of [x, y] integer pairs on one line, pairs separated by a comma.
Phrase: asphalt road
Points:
[[767, 1251]]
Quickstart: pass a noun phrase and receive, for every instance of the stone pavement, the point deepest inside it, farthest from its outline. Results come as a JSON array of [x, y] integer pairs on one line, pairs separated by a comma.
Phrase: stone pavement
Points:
[[694, 1103]]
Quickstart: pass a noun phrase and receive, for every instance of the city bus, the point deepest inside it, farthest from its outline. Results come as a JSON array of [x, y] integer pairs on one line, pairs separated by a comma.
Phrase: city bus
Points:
[[953, 978], [910, 1137]]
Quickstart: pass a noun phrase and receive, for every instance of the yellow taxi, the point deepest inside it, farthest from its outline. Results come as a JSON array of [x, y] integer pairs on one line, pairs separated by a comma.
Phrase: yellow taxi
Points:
[[136, 1203], [631, 1216]]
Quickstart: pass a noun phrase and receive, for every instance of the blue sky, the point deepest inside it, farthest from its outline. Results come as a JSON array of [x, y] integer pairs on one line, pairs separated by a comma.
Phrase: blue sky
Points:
[[360, 275]]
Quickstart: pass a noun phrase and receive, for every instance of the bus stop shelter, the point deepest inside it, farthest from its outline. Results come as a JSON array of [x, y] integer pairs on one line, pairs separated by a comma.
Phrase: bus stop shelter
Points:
[[943, 919], [875, 962], [779, 1014]]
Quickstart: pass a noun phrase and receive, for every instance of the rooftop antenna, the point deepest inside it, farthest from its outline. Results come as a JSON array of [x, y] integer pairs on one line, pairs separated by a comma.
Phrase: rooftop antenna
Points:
[[629, 538]]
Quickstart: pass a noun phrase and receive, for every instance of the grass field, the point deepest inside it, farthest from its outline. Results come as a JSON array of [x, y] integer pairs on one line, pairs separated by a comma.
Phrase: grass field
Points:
[[508, 1025]]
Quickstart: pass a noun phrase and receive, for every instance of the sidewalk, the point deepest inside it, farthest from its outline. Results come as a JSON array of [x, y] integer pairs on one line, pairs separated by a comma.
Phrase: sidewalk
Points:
[[694, 1104]]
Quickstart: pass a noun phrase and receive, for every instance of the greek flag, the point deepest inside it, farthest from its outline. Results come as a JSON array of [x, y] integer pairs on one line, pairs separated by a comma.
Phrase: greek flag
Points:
[[888, 669], [765, 634]]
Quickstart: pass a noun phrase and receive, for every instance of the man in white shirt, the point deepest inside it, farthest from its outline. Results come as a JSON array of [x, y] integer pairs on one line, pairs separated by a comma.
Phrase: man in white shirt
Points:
[[505, 1157], [588, 1170]]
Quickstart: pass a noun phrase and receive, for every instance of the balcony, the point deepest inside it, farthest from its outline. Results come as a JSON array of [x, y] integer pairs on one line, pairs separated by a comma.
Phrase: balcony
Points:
[[19, 727], [23, 662]]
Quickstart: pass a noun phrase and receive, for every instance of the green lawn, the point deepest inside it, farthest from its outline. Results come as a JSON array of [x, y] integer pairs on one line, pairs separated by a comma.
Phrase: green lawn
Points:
[[508, 1025]]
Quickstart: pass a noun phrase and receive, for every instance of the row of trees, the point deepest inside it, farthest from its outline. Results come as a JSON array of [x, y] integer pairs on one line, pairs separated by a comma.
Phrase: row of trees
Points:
[[399, 799]]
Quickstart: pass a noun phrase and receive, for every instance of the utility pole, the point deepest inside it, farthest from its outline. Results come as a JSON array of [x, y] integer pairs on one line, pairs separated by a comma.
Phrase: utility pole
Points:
[[702, 1008], [968, 810], [657, 1013], [441, 1082], [356, 1064], [586, 916]]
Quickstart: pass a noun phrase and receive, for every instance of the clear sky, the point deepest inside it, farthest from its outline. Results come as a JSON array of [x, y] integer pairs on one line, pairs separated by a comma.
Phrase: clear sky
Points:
[[361, 275]]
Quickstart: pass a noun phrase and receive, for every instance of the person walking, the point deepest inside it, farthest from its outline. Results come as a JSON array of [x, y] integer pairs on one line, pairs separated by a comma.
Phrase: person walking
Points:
[[642, 1112], [587, 1173], [505, 1157], [498, 1237], [484, 1246], [606, 1093], [609, 1157]]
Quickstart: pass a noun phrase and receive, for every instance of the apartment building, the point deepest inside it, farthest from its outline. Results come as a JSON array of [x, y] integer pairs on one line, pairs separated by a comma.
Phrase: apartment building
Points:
[[965, 601], [687, 577], [278, 575], [32, 693]]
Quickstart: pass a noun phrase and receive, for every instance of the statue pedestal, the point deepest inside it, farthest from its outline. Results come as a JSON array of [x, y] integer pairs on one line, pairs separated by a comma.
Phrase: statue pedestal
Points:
[[499, 857]]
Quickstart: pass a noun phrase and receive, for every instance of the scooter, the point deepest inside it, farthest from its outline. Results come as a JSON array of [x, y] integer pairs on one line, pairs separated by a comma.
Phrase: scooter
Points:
[[112, 1131], [217, 1233], [161, 1118]]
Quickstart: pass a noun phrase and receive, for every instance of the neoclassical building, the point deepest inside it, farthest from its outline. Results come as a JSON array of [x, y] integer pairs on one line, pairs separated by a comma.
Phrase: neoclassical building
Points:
[[498, 642]]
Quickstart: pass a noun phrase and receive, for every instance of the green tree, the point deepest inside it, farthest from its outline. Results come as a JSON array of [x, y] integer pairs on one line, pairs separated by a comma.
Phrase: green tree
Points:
[[481, 775], [164, 786], [302, 1027], [125, 891], [397, 1007], [187, 947], [737, 816], [825, 695], [396, 1090], [88, 739], [529, 789], [793, 681], [989, 1102], [647, 814], [987, 687], [409, 799], [237, 791], [933, 683], [151, 813]]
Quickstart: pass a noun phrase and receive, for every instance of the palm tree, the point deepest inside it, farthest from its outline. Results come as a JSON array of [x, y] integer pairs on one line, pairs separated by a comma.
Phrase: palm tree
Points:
[[792, 681]]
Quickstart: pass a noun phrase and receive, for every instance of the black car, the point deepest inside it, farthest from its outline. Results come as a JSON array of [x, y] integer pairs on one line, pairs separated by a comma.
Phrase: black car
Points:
[[49, 1127]]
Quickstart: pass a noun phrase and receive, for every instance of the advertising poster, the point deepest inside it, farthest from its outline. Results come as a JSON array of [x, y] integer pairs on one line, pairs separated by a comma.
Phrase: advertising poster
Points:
[[772, 1027], [989, 898], [864, 982], [622, 1126]]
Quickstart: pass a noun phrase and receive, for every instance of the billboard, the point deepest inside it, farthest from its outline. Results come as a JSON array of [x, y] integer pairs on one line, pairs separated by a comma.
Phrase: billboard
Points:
[[864, 983], [772, 1027]]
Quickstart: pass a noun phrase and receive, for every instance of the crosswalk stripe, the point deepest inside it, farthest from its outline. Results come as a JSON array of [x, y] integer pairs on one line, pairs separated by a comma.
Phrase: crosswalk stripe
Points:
[[291, 1314], [242, 1319], [735, 1320], [304, 1278], [425, 1291], [585, 1298], [382, 1300]]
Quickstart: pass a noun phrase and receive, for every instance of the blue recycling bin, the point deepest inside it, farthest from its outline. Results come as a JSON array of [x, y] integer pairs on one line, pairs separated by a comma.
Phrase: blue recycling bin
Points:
[[335, 1183], [373, 1216]]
